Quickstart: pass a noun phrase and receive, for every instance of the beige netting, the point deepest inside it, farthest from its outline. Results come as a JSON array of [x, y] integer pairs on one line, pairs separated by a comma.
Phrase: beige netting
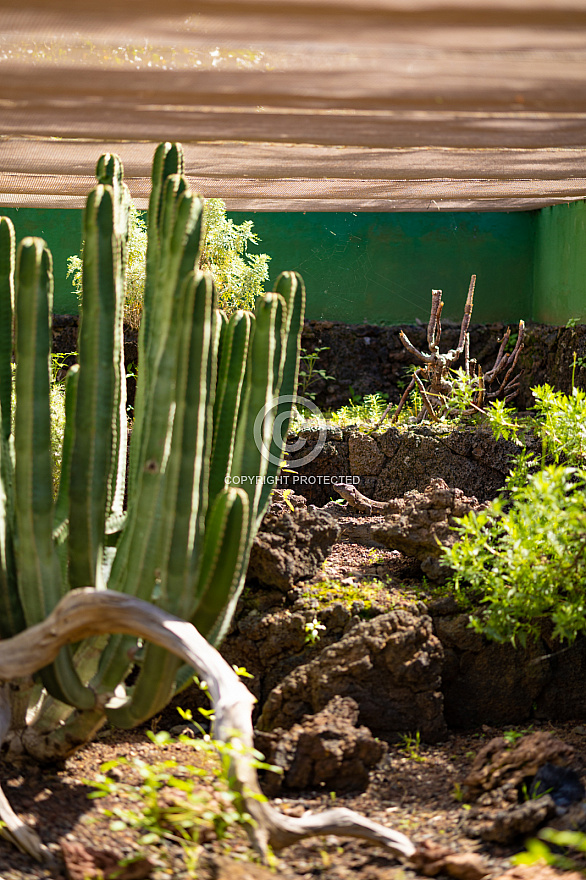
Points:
[[326, 105]]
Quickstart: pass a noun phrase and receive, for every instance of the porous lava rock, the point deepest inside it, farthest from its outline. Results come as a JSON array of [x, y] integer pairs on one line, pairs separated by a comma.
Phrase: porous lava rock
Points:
[[325, 750], [291, 546], [465, 457], [506, 826], [366, 458], [391, 666], [431, 859], [499, 762], [86, 863], [420, 523], [505, 773], [494, 683]]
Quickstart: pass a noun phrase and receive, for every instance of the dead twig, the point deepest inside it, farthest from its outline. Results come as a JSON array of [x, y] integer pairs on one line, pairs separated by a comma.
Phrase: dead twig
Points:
[[434, 379]]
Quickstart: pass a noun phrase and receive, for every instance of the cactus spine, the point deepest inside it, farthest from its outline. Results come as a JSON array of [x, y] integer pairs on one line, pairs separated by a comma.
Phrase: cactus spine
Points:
[[185, 538]]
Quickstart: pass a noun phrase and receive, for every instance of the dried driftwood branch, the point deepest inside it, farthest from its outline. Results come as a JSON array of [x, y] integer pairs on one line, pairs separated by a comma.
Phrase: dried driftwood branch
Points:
[[435, 369], [14, 829], [87, 612]]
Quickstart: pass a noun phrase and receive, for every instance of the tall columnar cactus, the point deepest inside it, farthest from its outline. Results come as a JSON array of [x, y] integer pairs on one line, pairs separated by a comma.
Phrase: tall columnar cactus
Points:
[[198, 474]]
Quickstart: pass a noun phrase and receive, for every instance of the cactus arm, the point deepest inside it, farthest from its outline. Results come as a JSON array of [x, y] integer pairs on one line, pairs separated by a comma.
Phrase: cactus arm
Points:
[[168, 160], [215, 605], [224, 547], [138, 550], [291, 287], [250, 459], [177, 248], [11, 615], [235, 340], [39, 574], [91, 455], [134, 565], [110, 172], [62, 503], [268, 361], [181, 498], [12, 618], [38, 569], [7, 253]]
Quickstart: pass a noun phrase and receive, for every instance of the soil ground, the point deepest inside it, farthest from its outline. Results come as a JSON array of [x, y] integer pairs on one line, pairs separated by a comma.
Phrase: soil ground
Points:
[[415, 789]]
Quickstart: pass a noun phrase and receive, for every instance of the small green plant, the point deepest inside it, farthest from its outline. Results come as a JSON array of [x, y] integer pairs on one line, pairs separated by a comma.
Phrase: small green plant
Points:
[[523, 559], [537, 849], [169, 801], [313, 628], [309, 373], [562, 423], [572, 322], [365, 412], [411, 747], [458, 793], [511, 736], [503, 422]]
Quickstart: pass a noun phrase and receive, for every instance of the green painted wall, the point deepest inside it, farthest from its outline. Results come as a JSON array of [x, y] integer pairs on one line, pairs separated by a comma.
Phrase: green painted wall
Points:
[[560, 264], [61, 229], [381, 267], [365, 267]]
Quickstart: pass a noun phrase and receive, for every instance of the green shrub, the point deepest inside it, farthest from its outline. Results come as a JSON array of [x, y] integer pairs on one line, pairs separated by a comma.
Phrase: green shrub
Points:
[[527, 561], [523, 559], [238, 276]]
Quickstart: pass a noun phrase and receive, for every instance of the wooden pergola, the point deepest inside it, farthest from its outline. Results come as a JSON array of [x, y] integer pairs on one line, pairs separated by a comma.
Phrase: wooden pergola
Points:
[[303, 105]]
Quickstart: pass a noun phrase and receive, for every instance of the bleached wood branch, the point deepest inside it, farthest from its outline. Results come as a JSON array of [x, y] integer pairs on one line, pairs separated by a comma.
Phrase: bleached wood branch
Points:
[[84, 613], [13, 828]]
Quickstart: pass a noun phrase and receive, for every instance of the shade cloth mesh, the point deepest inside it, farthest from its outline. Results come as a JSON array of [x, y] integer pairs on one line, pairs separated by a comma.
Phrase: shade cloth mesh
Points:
[[376, 105]]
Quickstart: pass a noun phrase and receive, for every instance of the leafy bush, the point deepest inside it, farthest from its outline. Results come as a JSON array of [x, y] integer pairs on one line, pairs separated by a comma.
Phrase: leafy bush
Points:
[[528, 561], [524, 558], [562, 421], [239, 277]]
